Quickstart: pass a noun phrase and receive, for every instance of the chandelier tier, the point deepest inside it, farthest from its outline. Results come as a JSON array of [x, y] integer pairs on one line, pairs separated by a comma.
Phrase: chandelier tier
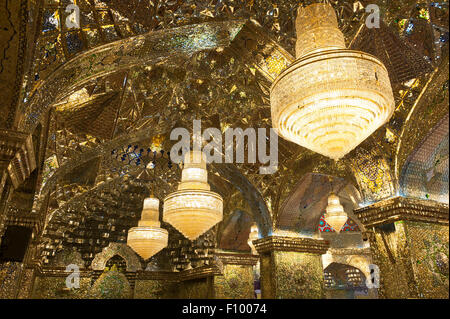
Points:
[[193, 209], [331, 98], [335, 215], [148, 238]]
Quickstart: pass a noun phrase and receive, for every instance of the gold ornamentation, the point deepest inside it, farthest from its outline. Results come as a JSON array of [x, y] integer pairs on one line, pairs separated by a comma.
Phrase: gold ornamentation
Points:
[[401, 208], [301, 244]]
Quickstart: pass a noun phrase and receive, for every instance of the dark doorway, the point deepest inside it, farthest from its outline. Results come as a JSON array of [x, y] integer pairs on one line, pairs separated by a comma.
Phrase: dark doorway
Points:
[[14, 243]]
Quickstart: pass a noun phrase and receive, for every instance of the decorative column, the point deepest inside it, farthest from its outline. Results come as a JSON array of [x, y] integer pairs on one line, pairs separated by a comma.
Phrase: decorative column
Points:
[[409, 243], [230, 276], [291, 267], [197, 283], [236, 281], [5, 189]]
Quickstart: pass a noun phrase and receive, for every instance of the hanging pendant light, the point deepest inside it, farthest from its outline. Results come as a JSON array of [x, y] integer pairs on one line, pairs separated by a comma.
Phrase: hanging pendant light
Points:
[[253, 236], [148, 237], [193, 209], [335, 215], [331, 98]]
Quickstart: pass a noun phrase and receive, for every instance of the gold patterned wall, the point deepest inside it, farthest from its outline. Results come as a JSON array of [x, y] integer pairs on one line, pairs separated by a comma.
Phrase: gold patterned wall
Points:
[[429, 256], [196, 289], [425, 173], [299, 275], [413, 259], [46, 287], [9, 279], [225, 280], [390, 252], [373, 174], [155, 289], [292, 275], [267, 281], [111, 284], [236, 283]]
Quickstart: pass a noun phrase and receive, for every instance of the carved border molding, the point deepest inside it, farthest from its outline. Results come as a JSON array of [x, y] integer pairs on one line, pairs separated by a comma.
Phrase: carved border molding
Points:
[[121, 249], [237, 259], [196, 273], [190, 274], [25, 221], [350, 251], [301, 245], [401, 208], [61, 272], [157, 275], [199, 272]]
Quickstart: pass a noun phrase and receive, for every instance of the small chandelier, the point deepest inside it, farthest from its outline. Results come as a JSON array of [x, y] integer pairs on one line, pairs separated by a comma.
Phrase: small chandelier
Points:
[[331, 98], [193, 208], [148, 237], [335, 215], [253, 236]]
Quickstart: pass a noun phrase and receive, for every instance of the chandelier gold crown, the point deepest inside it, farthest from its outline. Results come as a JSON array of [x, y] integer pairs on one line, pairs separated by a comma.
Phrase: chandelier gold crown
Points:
[[193, 209], [331, 98]]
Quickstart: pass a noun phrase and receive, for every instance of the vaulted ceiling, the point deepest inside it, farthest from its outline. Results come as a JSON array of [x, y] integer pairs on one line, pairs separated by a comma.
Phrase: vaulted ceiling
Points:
[[112, 91]]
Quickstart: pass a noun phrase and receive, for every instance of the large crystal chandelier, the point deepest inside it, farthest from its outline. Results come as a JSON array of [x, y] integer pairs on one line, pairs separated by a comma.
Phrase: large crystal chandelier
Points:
[[193, 208], [331, 98], [335, 215], [148, 238]]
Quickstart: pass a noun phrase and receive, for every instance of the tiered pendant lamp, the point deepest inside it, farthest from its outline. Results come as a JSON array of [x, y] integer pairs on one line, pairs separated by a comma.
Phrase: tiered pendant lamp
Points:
[[193, 209], [335, 215], [331, 98], [148, 237], [253, 236]]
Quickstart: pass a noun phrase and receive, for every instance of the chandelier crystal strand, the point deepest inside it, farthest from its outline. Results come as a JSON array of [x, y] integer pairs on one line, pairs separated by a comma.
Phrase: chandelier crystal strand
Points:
[[335, 215], [193, 209], [148, 238], [331, 98]]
